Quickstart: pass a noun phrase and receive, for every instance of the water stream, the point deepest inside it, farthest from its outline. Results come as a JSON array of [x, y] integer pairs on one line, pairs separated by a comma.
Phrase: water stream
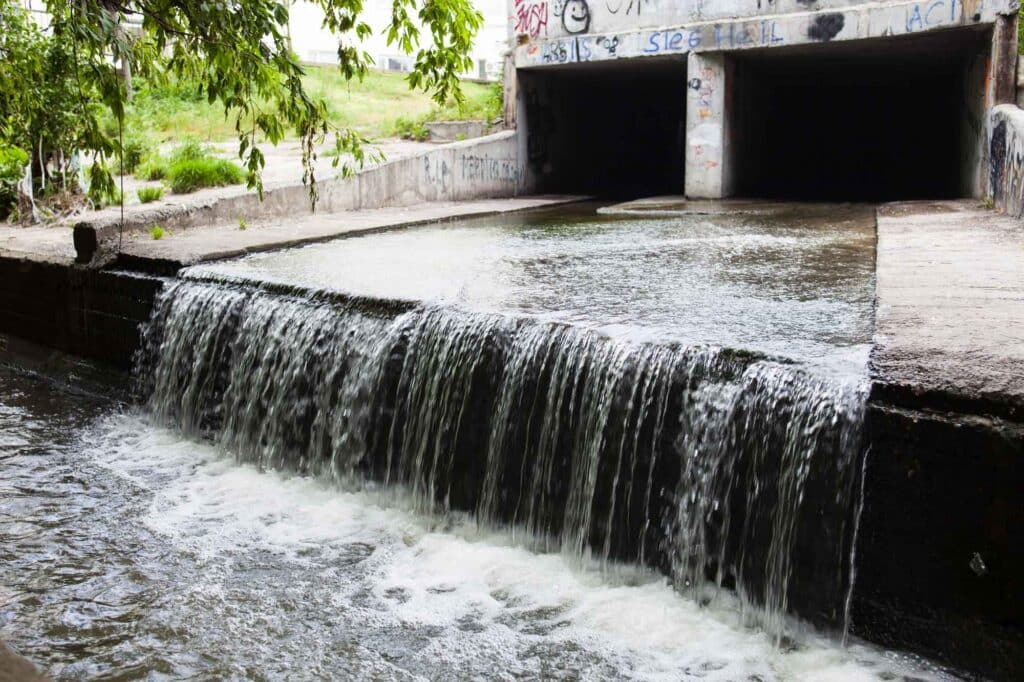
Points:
[[326, 478]]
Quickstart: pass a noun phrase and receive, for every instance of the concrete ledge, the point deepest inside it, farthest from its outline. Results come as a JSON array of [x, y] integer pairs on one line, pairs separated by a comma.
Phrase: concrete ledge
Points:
[[450, 131], [483, 168], [166, 256], [950, 304]]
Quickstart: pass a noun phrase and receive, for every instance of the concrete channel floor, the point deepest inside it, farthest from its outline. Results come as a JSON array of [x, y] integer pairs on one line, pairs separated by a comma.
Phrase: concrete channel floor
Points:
[[950, 297]]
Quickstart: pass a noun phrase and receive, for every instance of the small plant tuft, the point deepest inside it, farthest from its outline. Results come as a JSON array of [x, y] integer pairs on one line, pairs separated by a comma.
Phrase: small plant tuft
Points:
[[153, 168], [411, 129], [149, 194], [189, 175], [241, 223], [157, 232]]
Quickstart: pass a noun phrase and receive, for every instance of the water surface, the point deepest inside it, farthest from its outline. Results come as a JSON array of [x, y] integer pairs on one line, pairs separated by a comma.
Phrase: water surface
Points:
[[792, 280], [130, 552]]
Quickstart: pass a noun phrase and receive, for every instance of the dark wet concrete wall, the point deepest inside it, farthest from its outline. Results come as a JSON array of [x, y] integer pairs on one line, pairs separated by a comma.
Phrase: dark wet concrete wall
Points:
[[940, 557], [90, 313]]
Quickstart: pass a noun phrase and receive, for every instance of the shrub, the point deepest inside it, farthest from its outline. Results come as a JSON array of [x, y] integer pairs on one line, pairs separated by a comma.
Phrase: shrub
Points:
[[12, 169], [136, 149], [411, 129], [189, 150], [157, 232], [154, 168], [191, 174], [148, 194]]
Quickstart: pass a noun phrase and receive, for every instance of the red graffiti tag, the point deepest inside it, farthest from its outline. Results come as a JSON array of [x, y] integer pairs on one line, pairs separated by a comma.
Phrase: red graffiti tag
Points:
[[531, 17]]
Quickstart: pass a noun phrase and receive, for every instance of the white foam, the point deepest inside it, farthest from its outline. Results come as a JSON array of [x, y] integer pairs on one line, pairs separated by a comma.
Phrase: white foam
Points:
[[446, 573]]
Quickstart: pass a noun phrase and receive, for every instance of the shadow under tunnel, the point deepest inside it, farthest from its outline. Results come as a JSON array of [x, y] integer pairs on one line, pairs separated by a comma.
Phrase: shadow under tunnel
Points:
[[614, 130], [871, 120]]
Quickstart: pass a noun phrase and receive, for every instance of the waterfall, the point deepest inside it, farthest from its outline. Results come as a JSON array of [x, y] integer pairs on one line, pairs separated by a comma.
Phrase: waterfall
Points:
[[721, 468]]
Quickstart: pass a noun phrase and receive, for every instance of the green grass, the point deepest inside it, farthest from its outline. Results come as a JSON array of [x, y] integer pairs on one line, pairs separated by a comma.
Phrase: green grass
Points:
[[157, 232], [188, 175], [371, 107], [148, 194]]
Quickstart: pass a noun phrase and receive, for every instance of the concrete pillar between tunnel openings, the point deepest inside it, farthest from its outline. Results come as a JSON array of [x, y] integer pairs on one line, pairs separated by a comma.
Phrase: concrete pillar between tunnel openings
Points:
[[707, 172]]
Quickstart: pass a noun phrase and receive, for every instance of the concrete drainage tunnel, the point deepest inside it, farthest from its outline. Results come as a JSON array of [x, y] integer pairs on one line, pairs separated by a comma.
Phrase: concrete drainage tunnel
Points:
[[866, 121]]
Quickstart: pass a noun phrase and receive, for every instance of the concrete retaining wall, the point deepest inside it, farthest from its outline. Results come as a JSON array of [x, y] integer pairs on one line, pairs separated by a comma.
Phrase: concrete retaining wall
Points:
[[89, 313], [1006, 158], [473, 169]]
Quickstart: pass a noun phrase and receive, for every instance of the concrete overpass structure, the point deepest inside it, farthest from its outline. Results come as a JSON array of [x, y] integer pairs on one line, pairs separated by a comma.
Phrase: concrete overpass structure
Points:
[[804, 99]]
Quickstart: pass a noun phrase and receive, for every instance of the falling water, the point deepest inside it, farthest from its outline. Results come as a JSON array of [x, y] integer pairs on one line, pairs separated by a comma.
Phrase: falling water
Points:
[[722, 468]]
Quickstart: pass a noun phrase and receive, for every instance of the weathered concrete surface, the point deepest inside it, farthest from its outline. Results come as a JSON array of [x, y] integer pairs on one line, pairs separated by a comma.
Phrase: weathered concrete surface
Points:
[[473, 169], [678, 28], [1006, 158], [51, 243], [452, 131], [15, 668], [707, 140], [226, 241], [950, 320], [93, 314]]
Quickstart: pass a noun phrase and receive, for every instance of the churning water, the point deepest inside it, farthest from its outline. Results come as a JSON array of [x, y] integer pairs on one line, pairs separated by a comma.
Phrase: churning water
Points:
[[536, 476]]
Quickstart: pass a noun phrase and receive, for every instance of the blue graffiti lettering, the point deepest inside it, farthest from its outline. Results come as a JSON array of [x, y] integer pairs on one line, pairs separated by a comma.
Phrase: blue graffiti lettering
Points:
[[938, 4], [915, 20]]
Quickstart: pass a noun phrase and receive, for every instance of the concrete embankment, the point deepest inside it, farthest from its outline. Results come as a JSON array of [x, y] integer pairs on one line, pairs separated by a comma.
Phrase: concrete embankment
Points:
[[941, 551], [462, 171]]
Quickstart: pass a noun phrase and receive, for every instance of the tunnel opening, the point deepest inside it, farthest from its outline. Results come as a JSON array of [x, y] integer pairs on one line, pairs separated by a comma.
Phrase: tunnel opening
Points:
[[613, 130], [871, 120]]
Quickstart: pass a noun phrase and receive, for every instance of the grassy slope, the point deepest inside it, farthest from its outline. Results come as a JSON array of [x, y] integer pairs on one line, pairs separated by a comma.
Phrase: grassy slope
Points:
[[370, 107]]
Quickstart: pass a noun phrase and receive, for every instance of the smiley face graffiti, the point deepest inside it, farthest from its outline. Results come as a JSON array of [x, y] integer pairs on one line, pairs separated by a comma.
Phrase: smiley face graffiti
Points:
[[575, 16]]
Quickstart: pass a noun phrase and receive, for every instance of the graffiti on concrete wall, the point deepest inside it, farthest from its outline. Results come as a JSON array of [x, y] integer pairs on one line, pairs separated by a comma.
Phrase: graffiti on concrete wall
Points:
[[625, 6], [531, 17], [579, 44], [488, 169], [437, 172], [575, 15], [1006, 163]]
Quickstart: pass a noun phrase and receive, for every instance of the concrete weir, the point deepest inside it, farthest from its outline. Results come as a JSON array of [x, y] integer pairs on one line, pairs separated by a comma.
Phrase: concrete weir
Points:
[[905, 107]]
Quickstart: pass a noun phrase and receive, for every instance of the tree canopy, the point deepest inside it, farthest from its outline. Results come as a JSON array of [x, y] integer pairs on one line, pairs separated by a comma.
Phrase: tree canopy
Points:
[[236, 53]]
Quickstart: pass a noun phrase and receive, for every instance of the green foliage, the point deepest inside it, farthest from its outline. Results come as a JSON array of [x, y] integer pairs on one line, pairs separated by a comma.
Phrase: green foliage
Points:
[[137, 148], [412, 129], [241, 223], [153, 168], [149, 194], [102, 190], [157, 232], [12, 169], [236, 57], [239, 56], [188, 175], [50, 104], [494, 105], [1020, 30], [189, 150]]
